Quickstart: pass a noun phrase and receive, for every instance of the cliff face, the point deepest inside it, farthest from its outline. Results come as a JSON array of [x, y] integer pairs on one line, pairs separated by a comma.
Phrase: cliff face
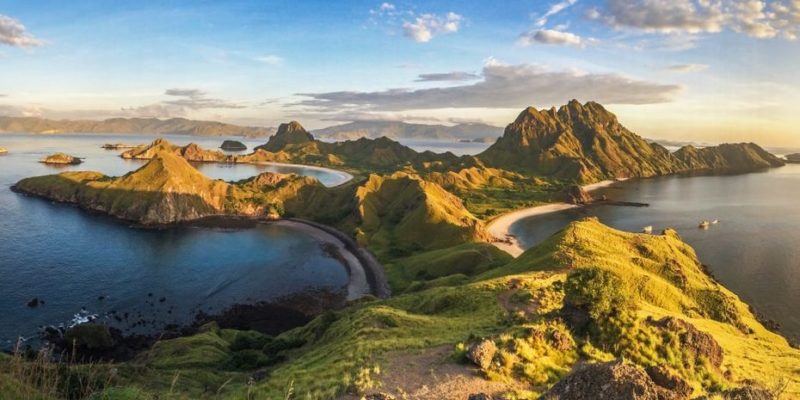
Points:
[[586, 143]]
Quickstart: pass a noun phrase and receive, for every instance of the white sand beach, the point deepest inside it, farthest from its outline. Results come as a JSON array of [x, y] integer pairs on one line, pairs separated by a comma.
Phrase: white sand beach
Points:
[[500, 227]]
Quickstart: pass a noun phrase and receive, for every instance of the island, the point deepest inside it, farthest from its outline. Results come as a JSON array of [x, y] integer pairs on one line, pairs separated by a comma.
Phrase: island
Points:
[[592, 311], [61, 159], [793, 158], [233, 145], [118, 146]]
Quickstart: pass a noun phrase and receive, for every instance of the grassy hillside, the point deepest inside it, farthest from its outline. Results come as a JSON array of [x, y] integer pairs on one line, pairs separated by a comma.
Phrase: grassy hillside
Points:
[[588, 294]]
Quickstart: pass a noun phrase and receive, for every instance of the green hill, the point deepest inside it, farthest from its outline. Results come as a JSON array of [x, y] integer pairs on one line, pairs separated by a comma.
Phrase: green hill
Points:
[[586, 143], [167, 190], [587, 295]]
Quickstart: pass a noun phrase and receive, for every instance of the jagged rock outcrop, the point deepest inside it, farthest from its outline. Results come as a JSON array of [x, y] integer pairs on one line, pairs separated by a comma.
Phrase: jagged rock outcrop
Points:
[[586, 143], [291, 133], [233, 145], [611, 380], [576, 194], [61, 158]]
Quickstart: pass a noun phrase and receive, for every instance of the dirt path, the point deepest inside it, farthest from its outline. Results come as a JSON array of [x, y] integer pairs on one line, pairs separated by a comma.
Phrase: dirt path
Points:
[[431, 375]]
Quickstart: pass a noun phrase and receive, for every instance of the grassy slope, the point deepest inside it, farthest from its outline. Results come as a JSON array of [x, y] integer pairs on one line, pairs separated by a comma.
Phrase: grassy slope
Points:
[[343, 350]]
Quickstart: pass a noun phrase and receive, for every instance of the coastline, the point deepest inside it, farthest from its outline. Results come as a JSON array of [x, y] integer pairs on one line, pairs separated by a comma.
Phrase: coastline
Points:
[[365, 274], [500, 227], [346, 177]]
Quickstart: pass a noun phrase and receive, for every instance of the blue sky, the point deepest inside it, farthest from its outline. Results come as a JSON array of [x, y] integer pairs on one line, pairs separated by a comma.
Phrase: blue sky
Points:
[[702, 70]]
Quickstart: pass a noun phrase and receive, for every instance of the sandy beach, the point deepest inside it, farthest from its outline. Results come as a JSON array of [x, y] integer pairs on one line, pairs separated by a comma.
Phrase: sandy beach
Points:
[[357, 285], [499, 228]]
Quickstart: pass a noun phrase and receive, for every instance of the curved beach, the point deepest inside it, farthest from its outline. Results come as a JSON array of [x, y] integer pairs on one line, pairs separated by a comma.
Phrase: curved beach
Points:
[[500, 227], [345, 177], [365, 274]]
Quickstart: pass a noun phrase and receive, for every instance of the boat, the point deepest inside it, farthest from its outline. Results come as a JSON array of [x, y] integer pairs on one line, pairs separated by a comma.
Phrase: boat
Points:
[[704, 225], [648, 229], [714, 222]]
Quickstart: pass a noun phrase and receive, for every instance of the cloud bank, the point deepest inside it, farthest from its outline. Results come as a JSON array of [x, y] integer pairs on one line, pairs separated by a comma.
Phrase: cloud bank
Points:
[[502, 86]]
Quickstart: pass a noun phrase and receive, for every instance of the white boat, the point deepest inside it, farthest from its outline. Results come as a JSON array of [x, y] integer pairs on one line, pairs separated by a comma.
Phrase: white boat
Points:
[[704, 225], [648, 229], [714, 222]]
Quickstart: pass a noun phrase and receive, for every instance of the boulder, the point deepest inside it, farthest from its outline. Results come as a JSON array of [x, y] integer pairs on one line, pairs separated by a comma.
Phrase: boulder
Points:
[[701, 344], [482, 353], [610, 380], [575, 194], [667, 379]]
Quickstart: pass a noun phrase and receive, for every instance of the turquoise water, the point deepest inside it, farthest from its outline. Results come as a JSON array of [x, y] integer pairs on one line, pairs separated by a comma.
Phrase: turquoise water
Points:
[[70, 258], [754, 250]]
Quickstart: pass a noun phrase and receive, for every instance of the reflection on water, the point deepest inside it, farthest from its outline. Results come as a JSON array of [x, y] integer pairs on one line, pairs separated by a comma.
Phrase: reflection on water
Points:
[[80, 263], [754, 250]]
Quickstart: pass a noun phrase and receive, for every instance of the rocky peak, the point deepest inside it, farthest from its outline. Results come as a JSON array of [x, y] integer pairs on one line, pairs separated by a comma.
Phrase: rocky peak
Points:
[[288, 134]]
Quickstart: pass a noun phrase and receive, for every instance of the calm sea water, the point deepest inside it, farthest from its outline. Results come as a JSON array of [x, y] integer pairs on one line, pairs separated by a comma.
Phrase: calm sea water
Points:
[[754, 250], [70, 258]]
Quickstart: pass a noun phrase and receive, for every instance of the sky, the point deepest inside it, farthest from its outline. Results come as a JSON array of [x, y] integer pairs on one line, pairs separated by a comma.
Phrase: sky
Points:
[[706, 71]]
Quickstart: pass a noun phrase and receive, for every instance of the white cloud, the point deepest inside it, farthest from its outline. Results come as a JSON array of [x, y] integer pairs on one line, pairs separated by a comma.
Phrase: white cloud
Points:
[[552, 37], [271, 59], [553, 10], [755, 18], [387, 7], [196, 99], [13, 33], [502, 86], [687, 67], [456, 76], [426, 26]]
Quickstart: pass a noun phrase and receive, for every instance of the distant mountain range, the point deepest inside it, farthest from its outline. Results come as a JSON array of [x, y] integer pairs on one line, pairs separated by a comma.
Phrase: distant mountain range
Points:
[[402, 130], [154, 126]]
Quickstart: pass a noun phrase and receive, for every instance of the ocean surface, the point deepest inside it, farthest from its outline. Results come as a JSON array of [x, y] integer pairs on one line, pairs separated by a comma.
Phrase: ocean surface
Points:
[[754, 250], [82, 265]]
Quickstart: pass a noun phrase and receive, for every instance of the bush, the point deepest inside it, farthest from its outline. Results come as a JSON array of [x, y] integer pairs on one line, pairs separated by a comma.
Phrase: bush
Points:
[[602, 293]]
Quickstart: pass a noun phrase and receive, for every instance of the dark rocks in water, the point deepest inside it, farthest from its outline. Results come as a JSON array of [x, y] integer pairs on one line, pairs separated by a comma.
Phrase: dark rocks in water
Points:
[[163, 299], [233, 145], [482, 353], [89, 337], [575, 194], [61, 158], [609, 380], [34, 302], [101, 298]]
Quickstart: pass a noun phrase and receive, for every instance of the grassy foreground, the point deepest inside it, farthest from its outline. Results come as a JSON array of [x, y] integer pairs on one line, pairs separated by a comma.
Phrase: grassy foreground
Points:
[[589, 293]]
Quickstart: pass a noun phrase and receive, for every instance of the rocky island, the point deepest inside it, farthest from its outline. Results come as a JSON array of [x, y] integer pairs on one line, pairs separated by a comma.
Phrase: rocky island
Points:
[[61, 159], [793, 158], [233, 145]]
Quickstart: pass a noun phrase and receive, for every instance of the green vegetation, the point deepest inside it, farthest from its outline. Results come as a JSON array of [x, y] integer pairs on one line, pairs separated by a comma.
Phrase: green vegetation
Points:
[[570, 300]]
